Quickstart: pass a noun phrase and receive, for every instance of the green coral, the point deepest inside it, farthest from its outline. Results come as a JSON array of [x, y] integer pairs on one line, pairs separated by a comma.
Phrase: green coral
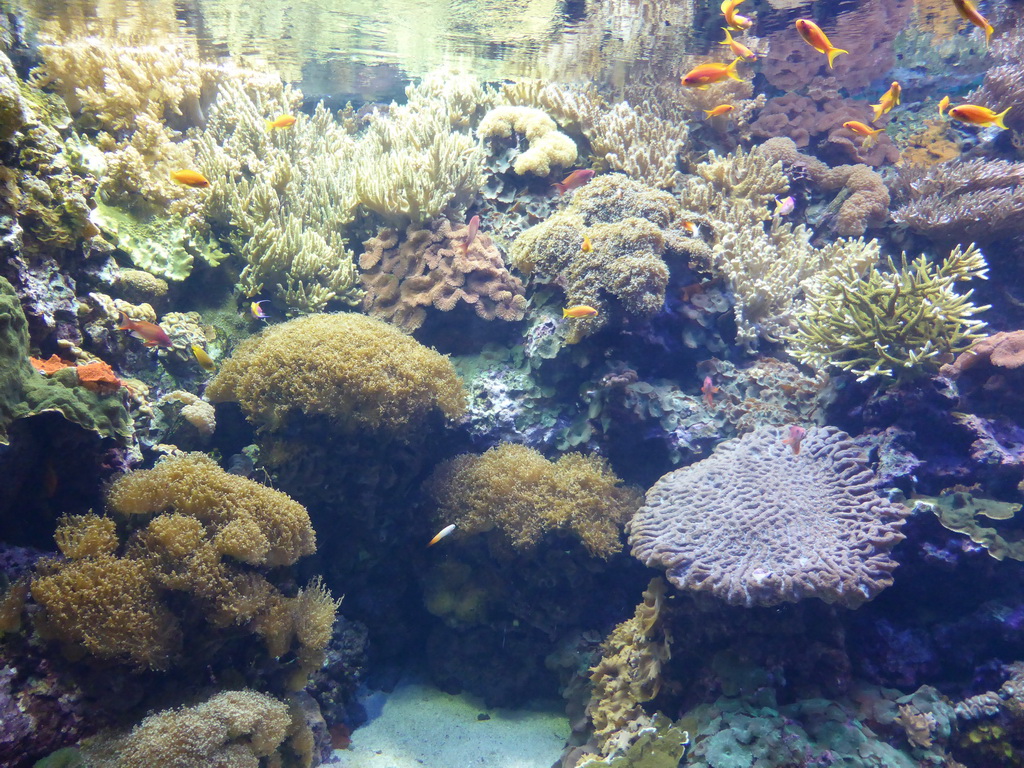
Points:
[[959, 511], [905, 320], [25, 392]]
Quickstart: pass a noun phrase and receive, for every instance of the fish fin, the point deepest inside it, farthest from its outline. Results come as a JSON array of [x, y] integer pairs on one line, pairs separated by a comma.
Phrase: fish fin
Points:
[[998, 119], [832, 53], [879, 111], [989, 29], [560, 187], [269, 124], [731, 70], [728, 37]]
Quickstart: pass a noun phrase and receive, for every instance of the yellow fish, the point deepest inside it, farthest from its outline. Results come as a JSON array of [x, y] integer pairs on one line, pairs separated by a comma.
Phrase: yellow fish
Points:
[[203, 359], [282, 121], [190, 179], [586, 247], [733, 19], [738, 48], [975, 115], [890, 99], [581, 310], [943, 105], [721, 109], [966, 9], [870, 134]]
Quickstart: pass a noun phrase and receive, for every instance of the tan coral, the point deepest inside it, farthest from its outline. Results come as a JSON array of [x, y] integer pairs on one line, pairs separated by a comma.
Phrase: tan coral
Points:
[[1004, 349], [432, 267], [547, 146]]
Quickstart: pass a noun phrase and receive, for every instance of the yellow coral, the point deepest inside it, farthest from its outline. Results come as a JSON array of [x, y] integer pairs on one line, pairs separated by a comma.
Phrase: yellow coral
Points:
[[522, 494], [361, 373], [548, 146], [86, 535]]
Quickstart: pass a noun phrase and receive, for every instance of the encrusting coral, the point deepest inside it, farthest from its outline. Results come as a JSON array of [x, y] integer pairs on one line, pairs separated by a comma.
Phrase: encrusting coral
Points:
[[361, 373], [523, 495], [433, 267], [206, 537], [820, 528], [906, 320], [547, 146]]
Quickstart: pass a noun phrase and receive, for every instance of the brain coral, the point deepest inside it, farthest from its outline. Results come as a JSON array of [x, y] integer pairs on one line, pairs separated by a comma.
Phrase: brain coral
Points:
[[756, 524], [359, 372]]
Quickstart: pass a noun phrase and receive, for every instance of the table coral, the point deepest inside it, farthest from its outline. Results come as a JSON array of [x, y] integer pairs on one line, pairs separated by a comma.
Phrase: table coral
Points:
[[433, 267], [523, 495], [361, 373], [756, 524], [547, 146], [905, 320]]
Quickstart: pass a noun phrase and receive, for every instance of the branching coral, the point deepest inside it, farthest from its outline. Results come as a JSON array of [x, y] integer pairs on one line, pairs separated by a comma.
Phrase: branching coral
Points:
[[434, 267], [547, 146], [902, 321], [523, 495], [361, 373]]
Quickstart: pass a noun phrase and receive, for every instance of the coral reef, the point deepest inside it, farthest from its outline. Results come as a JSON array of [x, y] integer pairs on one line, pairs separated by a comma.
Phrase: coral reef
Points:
[[547, 146], [1004, 84], [521, 495], [434, 267], [360, 373], [816, 506], [959, 510], [899, 322]]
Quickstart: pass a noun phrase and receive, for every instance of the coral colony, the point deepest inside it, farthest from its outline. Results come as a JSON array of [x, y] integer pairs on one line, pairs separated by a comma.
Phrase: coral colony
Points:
[[699, 357]]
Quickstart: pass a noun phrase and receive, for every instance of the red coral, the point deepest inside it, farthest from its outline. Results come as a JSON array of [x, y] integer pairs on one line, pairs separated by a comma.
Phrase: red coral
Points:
[[98, 377], [49, 365]]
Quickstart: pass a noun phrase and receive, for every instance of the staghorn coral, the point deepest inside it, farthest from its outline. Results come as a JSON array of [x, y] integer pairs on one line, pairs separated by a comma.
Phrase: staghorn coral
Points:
[[902, 321], [433, 267], [962, 201], [232, 729], [360, 373], [515, 490], [817, 526], [547, 146]]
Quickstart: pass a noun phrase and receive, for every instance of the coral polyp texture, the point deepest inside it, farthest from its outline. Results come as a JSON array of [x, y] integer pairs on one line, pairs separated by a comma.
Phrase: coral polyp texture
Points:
[[757, 524], [547, 146], [361, 373]]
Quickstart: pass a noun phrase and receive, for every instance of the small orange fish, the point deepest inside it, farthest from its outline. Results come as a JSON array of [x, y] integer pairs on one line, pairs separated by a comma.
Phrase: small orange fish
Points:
[[586, 247], [580, 310], [721, 109], [574, 180], [975, 115], [738, 48], [706, 74], [890, 99], [817, 39], [943, 105], [256, 309], [796, 436], [870, 134], [190, 179], [151, 334], [708, 390], [691, 229], [966, 9], [474, 227], [733, 19], [441, 534], [282, 121]]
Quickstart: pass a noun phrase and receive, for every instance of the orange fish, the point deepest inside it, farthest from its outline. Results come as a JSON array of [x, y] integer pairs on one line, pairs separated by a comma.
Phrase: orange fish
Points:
[[282, 121], [890, 99], [691, 228], [738, 48], [733, 19], [817, 39], [586, 247], [943, 105], [574, 180], [870, 134], [975, 115], [151, 334], [708, 390], [703, 76], [474, 227], [721, 109], [966, 9], [796, 436], [580, 310], [441, 534], [190, 179]]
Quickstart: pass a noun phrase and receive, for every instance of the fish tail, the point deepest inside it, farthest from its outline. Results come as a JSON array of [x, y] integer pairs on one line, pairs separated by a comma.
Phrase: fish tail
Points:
[[708, 113], [269, 124], [989, 29], [560, 187], [728, 37], [832, 53], [731, 70], [879, 109], [998, 119], [565, 313]]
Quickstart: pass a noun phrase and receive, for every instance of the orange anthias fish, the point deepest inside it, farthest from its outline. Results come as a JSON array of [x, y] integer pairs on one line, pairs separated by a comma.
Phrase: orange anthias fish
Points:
[[733, 19], [966, 9], [796, 436], [580, 310], [721, 109], [890, 99], [870, 134], [282, 121], [574, 180], [975, 115], [738, 48], [586, 247], [817, 39], [691, 229], [706, 74], [190, 179], [943, 105], [474, 227], [151, 334], [708, 390]]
